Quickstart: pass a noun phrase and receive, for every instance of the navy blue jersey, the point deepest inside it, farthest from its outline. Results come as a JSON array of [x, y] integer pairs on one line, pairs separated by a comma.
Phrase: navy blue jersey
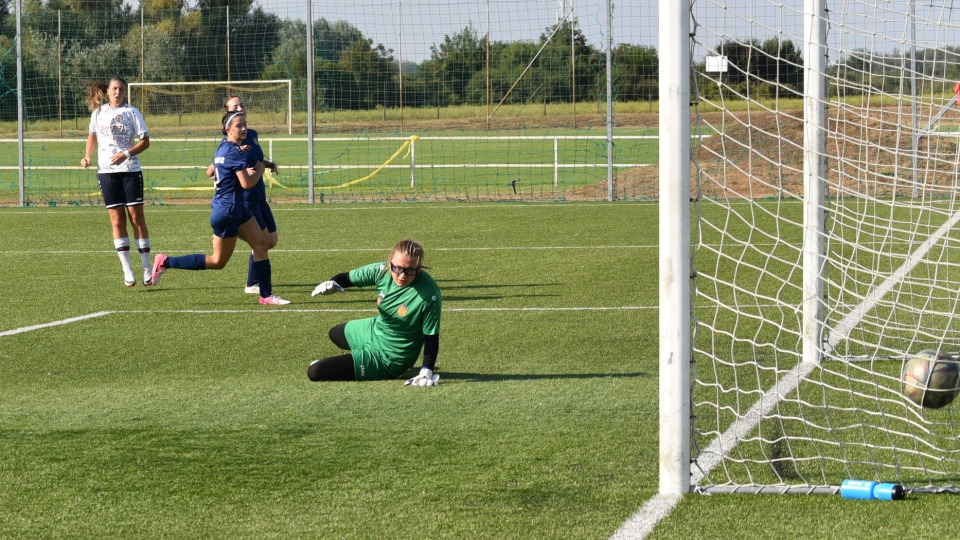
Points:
[[253, 155], [228, 160]]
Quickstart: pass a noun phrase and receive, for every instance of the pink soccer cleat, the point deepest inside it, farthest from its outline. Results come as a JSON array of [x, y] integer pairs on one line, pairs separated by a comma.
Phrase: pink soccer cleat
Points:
[[273, 300], [158, 268]]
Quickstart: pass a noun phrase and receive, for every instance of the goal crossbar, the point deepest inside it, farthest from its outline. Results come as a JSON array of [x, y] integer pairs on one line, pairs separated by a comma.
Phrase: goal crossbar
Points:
[[230, 84]]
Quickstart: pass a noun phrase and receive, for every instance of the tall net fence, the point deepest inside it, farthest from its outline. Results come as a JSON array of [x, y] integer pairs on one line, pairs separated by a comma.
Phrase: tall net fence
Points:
[[412, 100]]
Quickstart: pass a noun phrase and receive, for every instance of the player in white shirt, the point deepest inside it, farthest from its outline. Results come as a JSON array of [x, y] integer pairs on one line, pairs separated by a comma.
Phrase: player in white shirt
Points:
[[119, 133]]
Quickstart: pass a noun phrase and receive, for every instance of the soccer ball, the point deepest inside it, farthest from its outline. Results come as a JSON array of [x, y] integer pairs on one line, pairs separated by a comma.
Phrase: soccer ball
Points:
[[930, 379]]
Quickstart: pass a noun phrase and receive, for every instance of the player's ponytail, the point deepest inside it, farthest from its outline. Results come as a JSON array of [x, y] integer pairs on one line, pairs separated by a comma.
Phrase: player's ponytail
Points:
[[95, 94], [98, 89]]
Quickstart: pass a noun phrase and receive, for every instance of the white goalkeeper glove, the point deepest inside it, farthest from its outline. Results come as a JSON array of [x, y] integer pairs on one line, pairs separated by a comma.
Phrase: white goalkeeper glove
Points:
[[326, 287], [426, 378]]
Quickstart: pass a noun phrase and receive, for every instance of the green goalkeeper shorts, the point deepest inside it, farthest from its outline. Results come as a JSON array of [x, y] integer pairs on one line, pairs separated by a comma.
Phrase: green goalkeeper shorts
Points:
[[369, 362]]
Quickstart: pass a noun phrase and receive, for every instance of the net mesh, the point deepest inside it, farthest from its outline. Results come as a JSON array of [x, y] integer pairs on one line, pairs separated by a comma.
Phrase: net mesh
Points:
[[764, 419], [190, 104]]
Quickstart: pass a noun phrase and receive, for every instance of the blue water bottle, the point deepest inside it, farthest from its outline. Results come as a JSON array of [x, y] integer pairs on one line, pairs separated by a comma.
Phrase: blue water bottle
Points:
[[868, 489]]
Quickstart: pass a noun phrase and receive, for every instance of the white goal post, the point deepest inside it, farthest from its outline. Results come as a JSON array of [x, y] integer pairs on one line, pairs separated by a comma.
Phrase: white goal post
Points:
[[809, 245], [224, 88]]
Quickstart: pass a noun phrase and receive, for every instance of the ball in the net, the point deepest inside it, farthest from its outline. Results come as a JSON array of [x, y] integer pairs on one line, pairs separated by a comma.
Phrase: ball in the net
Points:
[[930, 379]]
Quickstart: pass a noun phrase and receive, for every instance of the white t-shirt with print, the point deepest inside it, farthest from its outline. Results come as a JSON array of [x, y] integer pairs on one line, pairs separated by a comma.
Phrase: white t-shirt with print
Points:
[[117, 129]]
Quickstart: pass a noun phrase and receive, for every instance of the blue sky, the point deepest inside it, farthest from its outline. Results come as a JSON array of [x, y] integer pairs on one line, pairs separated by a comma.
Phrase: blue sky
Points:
[[410, 27]]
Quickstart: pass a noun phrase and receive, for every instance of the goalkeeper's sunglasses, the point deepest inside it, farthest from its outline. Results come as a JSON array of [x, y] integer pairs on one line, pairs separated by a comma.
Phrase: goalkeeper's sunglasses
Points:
[[401, 271]]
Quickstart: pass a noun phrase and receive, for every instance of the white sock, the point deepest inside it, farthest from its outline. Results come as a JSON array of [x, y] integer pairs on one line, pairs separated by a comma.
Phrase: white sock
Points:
[[143, 245], [122, 246]]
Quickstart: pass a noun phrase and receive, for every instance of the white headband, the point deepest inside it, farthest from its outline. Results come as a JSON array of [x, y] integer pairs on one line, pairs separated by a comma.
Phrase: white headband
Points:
[[230, 119]]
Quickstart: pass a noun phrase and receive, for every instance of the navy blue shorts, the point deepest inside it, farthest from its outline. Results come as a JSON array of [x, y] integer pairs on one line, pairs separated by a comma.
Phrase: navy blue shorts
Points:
[[226, 220], [261, 211], [121, 188]]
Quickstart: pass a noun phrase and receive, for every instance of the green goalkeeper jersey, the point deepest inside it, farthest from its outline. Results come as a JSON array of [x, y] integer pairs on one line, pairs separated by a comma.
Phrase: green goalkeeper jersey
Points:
[[406, 313]]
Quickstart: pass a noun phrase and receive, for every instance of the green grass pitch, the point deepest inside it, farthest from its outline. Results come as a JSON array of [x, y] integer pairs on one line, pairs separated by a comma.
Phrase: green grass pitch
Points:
[[184, 410]]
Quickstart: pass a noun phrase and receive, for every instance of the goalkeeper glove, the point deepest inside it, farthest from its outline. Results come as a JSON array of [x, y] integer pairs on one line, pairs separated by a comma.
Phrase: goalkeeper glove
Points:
[[327, 286], [426, 378]]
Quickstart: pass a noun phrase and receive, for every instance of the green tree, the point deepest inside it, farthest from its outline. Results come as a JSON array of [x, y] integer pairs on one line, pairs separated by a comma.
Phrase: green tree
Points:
[[635, 76], [368, 76], [163, 54], [163, 9], [741, 58], [456, 61], [331, 40], [762, 68], [339, 51], [564, 67], [72, 41], [289, 59], [8, 80], [429, 79], [90, 6], [5, 8], [780, 63], [507, 64], [351, 72], [253, 36], [864, 70]]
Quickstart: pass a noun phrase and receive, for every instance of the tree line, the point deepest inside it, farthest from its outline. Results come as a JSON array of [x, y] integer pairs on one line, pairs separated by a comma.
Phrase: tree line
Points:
[[68, 42], [774, 68]]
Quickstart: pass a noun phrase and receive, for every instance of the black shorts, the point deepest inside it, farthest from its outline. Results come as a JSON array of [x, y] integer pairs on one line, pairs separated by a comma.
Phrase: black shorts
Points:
[[121, 188]]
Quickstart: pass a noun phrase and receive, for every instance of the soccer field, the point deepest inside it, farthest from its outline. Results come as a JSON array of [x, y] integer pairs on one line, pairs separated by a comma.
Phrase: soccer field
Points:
[[184, 410]]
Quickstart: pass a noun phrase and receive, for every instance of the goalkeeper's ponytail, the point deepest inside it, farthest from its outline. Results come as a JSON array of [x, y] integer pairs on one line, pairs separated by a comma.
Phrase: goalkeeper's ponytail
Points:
[[411, 248]]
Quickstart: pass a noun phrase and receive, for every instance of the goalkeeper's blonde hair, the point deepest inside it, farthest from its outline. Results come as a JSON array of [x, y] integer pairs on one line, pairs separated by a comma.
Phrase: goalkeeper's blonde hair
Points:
[[411, 248]]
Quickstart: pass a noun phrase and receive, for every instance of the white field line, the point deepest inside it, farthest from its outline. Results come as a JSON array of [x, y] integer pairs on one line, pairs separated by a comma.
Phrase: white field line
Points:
[[544, 138], [55, 323], [641, 523], [372, 310], [345, 207], [504, 248], [339, 250], [261, 311], [148, 168]]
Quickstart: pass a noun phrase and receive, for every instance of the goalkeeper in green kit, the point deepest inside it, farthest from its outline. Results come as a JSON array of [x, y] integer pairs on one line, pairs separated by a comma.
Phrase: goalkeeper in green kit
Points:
[[386, 346]]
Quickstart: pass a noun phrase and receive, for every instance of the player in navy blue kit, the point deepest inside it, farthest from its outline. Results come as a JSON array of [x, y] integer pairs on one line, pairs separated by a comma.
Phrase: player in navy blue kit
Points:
[[256, 197], [119, 133], [229, 216]]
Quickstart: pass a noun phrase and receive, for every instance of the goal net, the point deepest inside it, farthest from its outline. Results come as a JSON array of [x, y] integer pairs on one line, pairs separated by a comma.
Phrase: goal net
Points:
[[181, 107], [826, 251]]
